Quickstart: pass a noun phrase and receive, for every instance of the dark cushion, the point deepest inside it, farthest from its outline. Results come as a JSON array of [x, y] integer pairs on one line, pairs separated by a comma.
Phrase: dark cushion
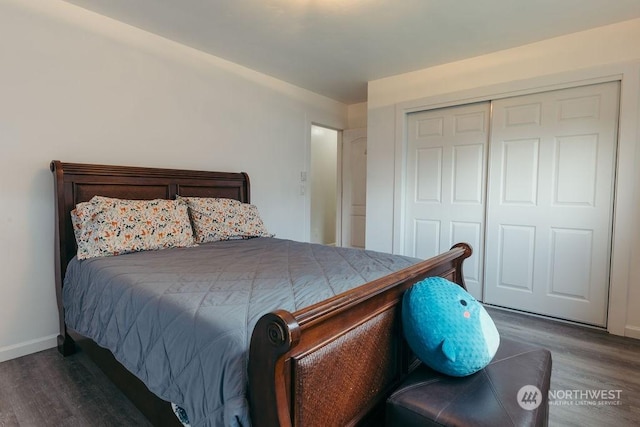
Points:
[[493, 396]]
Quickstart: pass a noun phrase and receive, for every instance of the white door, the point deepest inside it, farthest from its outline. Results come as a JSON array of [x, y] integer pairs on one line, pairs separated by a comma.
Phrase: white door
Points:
[[445, 184], [354, 187], [549, 202]]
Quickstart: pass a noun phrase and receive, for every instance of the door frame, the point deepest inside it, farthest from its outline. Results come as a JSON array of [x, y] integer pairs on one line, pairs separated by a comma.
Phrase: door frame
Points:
[[624, 194]]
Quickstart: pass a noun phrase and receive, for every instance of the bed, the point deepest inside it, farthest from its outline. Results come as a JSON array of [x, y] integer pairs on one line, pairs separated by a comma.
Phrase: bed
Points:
[[333, 362]]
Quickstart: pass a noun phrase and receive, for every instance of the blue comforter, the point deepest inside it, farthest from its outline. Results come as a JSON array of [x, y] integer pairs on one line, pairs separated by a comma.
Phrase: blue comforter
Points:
[[181, 319]]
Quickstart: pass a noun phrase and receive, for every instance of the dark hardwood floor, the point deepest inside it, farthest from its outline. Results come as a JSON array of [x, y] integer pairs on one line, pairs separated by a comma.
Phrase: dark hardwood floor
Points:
[[45, 389], [584, 359]]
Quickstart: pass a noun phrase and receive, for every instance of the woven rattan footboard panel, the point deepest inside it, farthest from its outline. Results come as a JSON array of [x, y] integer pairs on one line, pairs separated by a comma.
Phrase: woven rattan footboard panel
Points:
[[357, 365]]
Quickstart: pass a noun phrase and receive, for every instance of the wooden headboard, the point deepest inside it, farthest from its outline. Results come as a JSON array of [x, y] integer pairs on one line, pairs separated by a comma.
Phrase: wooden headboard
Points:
[[77, 182]]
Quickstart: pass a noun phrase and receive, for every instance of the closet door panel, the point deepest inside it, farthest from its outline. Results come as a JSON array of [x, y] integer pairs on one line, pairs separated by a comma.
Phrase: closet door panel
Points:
[[549, 202], [445, 184]]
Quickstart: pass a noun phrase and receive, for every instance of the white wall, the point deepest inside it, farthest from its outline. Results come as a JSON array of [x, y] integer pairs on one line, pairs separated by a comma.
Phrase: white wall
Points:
[[602, 54], [357, 115], [78, 87]]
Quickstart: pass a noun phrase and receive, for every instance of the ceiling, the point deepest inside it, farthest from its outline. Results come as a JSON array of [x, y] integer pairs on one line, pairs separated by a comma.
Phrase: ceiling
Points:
[[334, 47]]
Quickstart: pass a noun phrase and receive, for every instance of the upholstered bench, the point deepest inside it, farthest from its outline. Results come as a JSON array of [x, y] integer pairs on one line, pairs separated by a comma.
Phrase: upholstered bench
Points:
[[511, 391]]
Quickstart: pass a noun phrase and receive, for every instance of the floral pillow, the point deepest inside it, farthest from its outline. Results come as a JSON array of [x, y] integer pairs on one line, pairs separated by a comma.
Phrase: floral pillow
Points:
[[211, 217], [105, 226], [247, 222], [217, 219]]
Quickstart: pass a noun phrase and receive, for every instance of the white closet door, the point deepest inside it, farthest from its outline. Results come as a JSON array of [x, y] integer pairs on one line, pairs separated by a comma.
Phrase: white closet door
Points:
[[549, 206], [445, 184]]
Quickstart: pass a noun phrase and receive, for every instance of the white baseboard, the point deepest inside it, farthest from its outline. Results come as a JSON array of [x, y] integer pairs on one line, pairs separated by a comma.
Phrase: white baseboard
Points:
[[632, 332], [28, 347]]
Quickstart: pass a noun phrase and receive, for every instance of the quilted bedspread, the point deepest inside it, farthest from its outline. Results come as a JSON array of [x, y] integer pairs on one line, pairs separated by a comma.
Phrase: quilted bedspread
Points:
[[181, 319]]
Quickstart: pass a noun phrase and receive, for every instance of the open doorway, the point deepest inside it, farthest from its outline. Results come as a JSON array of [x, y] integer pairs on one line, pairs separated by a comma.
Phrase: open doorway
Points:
[[323, 185]]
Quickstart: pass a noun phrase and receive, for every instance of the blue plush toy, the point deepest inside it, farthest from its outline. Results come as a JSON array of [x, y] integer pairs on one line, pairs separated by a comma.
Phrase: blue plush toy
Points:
[[447, 328]]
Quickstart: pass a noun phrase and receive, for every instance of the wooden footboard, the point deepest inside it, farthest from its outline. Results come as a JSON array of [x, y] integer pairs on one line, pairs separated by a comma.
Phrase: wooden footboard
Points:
[[334, 363]]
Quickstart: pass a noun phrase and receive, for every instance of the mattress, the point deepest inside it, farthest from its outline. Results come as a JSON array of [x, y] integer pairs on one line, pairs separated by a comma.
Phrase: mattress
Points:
[[181, 319]]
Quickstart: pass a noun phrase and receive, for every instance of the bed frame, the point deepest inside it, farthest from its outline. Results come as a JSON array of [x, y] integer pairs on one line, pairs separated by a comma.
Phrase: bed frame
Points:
[[333, 363]]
